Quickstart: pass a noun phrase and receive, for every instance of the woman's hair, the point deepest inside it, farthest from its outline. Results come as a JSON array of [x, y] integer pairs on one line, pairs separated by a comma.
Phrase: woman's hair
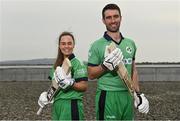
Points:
[[60, 56]]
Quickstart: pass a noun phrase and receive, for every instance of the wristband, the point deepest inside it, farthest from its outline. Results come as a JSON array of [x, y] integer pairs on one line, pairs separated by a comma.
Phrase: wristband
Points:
[[104, 67]]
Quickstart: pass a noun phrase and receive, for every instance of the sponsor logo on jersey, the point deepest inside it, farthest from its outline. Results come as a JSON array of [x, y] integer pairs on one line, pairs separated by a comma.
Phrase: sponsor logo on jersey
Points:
[[127, 61], [81, 71]]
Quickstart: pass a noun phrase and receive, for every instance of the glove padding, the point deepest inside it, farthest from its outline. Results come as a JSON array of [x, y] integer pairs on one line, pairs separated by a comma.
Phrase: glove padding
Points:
[[141, 103], [113, 59], [42, 101], [59, 74], [64, 81]]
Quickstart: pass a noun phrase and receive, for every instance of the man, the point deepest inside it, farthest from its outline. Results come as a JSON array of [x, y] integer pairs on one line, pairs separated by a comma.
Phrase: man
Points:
[[113, 101]]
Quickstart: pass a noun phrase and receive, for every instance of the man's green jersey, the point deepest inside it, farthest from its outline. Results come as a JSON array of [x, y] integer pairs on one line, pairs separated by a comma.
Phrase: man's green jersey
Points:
[[79, 73], [110, 81]]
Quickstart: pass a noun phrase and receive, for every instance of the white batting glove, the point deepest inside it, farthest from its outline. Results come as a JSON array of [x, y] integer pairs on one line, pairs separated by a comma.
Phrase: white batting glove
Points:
[[42, 101], [141, 103], [59, 74], [66, 83], [113, 59]]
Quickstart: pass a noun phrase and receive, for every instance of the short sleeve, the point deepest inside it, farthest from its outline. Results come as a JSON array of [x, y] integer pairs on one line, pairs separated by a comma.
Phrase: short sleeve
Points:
[[93, 55], [79, 71]]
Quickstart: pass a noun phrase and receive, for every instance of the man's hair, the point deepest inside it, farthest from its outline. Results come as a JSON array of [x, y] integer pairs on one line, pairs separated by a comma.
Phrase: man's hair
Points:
[[110, 7]]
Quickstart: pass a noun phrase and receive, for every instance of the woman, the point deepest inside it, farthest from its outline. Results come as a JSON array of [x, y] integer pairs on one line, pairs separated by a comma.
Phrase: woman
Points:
[[68, 103]]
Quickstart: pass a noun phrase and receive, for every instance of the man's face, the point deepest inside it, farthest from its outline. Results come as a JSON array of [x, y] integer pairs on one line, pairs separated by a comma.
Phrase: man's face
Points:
[[112, 20]]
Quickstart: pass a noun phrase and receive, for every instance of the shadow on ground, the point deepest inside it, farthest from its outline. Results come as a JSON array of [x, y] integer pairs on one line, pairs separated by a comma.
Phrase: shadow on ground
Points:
[[18, 100]]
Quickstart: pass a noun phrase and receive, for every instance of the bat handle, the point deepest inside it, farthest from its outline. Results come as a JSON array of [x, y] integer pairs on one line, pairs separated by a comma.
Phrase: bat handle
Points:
[[39, 111]]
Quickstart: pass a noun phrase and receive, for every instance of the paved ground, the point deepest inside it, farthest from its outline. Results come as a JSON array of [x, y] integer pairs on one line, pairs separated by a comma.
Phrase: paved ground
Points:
[[18, 100]]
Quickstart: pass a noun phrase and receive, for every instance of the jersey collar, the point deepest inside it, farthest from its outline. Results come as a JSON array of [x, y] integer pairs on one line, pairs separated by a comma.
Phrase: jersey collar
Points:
[[71, 56], [108, 38]]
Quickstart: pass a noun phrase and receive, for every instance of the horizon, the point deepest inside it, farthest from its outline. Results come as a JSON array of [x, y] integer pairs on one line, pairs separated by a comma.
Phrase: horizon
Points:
[[82, 60]]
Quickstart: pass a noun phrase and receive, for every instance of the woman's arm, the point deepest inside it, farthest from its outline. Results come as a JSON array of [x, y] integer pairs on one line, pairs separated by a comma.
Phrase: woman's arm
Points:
[[80, 86]]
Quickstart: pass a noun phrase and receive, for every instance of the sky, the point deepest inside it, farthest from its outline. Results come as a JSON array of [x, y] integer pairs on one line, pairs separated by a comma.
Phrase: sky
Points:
[[30, 28]]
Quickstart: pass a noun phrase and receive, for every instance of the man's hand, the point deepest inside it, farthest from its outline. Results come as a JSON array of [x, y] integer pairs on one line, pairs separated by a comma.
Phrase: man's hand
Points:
[[42, 101], [141, 103], [64, 81], [113, 59]]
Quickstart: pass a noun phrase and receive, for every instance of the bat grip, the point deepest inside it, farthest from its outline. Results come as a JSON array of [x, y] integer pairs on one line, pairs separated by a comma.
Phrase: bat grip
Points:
[[39, 111]]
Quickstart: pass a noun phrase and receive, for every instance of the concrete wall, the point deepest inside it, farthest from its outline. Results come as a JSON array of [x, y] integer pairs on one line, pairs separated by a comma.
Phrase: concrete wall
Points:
[[159, 73], [24, 73], [40, 73]]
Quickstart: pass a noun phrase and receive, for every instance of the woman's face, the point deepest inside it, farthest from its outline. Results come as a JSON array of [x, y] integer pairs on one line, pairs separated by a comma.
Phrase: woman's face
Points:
[[66, 45]]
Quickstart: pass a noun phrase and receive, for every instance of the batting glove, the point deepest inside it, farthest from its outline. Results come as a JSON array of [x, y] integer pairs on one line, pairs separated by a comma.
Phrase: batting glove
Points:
[[59, 74], [141, 103], [42, 101], [66, 83], [113, 59]]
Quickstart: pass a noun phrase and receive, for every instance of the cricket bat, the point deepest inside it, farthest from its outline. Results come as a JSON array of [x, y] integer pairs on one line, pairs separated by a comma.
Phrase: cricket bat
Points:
[[122, 71], [54, 86]]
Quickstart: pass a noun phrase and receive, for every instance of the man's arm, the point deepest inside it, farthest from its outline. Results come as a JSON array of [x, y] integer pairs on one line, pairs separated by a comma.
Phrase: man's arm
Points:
[[95, 71], [135, 78], [140, 101]]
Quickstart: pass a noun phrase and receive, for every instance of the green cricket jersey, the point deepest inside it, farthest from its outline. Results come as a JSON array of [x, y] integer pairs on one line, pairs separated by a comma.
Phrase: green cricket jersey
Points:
[[110, 81], [79, 73]]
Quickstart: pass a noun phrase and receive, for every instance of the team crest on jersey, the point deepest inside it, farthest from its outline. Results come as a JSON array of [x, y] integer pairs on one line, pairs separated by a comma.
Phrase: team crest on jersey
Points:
[[129, 49]]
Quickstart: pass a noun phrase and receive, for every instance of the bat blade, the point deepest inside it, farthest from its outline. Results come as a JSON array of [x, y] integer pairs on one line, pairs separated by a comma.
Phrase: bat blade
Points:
[[122, 71], [54, 88]]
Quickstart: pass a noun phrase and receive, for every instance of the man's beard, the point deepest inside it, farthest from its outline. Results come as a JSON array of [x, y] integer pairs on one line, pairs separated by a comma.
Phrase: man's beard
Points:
[[113, 30]]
